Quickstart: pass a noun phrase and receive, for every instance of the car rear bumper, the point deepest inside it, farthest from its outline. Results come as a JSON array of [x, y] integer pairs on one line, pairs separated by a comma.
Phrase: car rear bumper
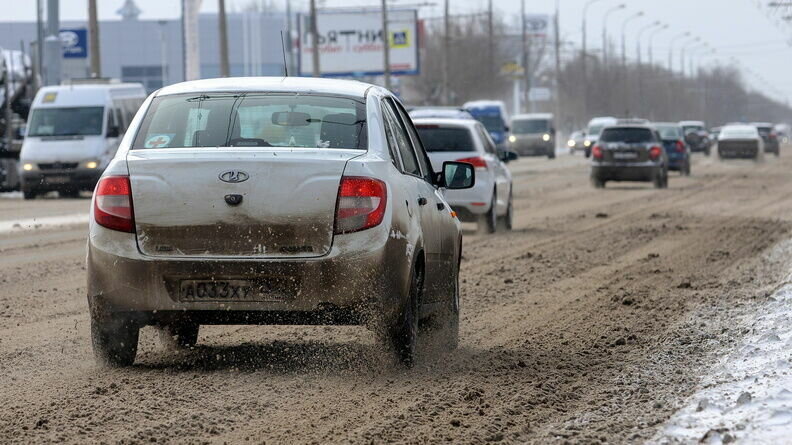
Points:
[[54, 180], [625, 172], [676, 162], [738, 152], [365, 274]]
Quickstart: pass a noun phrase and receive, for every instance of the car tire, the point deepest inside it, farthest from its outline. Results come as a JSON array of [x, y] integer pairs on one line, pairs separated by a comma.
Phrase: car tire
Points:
[[686, 169], [587, 153], [551, 154], [597, 182], [488, 222], [449, 322], [404, 337], [29, 194], [778, 152], [507, 221], [661, 179], [179, 336], [114, 337], [70, 193]]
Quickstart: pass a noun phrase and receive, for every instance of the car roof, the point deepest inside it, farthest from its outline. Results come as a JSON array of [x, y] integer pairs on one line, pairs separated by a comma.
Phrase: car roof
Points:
[[446, 122], [632, 125], [670, 124], [532, 116], [762, 124], [352, 88], [699, 123]]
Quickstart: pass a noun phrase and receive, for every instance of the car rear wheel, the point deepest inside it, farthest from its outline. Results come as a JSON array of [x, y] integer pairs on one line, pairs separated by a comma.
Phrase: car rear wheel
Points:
[[551, 153], [29, 194], [661, 179], [405, 334], [507, 221], [114, 337], [179, 336], [685, 168], [597, 182], [488, 222]]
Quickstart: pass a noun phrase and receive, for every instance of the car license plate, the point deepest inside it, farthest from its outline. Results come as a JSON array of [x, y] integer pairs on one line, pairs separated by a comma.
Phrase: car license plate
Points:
[[229, 290], [625, 155], [56, 179]]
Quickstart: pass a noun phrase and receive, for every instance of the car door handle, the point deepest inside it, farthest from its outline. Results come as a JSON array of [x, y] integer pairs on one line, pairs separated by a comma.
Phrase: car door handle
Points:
[[422, 201], [440, 206]]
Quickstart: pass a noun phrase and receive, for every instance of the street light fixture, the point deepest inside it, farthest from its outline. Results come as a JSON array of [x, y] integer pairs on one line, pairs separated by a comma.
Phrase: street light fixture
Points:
[[605, 30], [629, 19]]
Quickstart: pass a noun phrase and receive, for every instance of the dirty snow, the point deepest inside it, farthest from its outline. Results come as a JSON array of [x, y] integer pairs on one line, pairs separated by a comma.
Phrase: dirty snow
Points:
[[43, 222], [748, 397]]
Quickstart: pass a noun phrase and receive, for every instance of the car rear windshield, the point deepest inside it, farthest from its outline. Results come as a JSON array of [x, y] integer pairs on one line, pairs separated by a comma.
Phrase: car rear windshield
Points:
[[670, 133], [253, 120], [72, 121], [436, 138], [530, 126], [628, 135]]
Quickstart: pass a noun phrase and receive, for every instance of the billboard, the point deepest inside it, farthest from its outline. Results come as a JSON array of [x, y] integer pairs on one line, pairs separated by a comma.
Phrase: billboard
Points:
[[351, 44], [74, 43]]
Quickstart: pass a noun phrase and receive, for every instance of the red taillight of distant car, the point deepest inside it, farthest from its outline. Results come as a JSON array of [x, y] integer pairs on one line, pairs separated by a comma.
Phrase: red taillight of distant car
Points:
[[113, 204], [596, 152], [680, 147], [361, 204], [477, 162], [655, 152]]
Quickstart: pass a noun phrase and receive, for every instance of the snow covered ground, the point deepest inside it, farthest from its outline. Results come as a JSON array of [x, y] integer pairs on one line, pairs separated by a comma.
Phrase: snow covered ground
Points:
[[748, 397]]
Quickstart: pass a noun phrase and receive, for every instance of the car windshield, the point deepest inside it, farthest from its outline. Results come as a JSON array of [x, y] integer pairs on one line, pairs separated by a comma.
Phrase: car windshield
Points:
[[436, 139], [72, 121], [690, 128], [628, 135], [530, 126], [493, 124], [254, 120], [669, 132], [595, 130]]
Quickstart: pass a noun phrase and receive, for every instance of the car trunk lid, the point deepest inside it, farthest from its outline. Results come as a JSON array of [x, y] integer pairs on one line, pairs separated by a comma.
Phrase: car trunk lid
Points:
[[287, 208]]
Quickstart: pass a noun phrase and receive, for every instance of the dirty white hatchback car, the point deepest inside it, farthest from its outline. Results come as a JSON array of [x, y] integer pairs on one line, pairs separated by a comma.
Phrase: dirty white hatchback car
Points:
[[490, 202], [272, 201]]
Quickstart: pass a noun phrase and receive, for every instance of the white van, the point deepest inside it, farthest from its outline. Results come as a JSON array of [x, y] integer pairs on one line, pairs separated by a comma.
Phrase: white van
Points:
[[73, 132]]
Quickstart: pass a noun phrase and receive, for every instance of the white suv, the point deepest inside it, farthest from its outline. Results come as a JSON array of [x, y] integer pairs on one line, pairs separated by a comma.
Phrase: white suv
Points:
[[490, 200]]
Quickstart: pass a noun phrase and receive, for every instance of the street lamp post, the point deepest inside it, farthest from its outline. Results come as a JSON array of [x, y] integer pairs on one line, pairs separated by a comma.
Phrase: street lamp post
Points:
[[692, 42], [671, 49], [627, 21], [643, 30], [651, 40], [583, 60], [605, 30]]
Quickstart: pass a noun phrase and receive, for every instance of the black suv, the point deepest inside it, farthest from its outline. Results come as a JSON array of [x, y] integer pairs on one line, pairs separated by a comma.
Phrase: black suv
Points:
[[629, 153]]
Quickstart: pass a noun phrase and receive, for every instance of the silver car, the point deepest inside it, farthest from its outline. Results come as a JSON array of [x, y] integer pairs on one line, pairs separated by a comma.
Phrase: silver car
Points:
[[272, 201]]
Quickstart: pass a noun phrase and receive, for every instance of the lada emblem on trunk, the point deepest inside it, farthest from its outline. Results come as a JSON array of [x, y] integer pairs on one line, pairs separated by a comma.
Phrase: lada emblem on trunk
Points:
[[234, 176]]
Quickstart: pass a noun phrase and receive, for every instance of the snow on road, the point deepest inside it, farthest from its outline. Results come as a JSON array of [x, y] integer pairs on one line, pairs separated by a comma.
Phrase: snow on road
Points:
[[43, 222], [748, 397]]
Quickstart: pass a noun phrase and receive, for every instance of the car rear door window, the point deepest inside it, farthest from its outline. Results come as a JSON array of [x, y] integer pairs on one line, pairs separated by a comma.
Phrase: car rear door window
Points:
[[406, 153]]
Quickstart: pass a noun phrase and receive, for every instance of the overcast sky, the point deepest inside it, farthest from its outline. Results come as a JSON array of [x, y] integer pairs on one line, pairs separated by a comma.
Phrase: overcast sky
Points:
[[737, 29]]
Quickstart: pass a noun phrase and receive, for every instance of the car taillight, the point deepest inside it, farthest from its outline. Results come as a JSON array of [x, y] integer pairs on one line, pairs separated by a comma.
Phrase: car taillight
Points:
[[113, 204], [477, 162], [361, 204], [596, 152], [680, 147], [655, 152]]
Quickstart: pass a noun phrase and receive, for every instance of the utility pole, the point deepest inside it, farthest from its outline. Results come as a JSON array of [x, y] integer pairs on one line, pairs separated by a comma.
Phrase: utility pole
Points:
[[39, 45], [289, 35], [583, 60], [557, 35], [93, 46], [491, 37], [223, 28], [446, 51], [386, 45], [317, 72], [52, 44], [526, 59]]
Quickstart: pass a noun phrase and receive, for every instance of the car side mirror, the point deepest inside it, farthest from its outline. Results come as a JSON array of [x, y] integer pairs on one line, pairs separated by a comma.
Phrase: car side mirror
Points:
[[113, 132], [457, 175], [507, 155]]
